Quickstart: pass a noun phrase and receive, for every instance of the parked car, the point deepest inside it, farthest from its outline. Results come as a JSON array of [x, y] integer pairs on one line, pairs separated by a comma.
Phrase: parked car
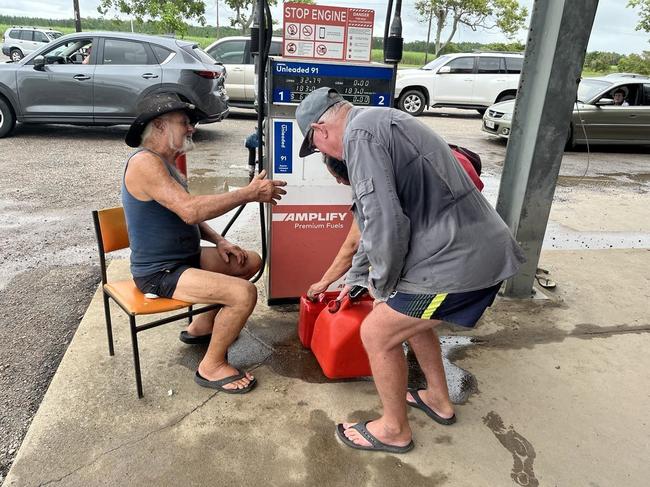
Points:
[[235, 54], [97, 78], [470, 80], [20, 41], [595, 118]]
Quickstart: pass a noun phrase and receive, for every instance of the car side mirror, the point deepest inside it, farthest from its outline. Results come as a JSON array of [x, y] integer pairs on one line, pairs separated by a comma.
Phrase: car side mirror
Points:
[[603, 102], [39, 63], [444, 69]]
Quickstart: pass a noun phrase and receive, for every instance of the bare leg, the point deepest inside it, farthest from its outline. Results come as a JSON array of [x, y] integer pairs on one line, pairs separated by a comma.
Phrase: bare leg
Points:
[[426, 347], [211, 261], [238, 297], [382, 333]]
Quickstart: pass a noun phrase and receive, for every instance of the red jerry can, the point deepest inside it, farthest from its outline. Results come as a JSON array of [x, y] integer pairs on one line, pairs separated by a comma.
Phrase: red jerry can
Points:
[[309, 311], [336, 342]]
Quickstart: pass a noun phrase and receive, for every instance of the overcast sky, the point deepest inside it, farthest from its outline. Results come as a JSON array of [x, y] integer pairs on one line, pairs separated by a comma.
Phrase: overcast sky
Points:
[[613, 28]]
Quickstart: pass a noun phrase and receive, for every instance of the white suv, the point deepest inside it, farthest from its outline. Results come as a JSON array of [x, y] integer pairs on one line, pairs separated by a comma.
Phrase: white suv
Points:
[[473, 81], [235, 54], [20, 41]]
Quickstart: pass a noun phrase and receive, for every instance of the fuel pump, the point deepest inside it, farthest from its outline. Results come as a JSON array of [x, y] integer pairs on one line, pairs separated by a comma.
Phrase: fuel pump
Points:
[[306, 229]]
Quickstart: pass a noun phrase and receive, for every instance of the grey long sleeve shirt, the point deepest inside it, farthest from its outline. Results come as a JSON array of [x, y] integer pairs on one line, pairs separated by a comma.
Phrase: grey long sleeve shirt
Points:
[[425, 227]]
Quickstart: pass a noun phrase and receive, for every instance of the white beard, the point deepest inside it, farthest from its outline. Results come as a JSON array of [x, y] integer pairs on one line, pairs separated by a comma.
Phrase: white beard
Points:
[[187, 146]]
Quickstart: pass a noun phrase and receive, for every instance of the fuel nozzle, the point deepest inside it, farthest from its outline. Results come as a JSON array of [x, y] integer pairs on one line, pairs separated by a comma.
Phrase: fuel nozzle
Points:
[[394, 43], [252, 143]]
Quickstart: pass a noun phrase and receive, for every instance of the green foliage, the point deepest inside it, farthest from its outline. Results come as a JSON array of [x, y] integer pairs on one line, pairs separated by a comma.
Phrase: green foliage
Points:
[[601, 62], [644, 20], [505, 15], [635, 63], [167, 15]]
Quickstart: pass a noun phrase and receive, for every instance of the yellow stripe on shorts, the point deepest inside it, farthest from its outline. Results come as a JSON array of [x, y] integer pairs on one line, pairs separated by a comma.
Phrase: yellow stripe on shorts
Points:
[[433, 306]]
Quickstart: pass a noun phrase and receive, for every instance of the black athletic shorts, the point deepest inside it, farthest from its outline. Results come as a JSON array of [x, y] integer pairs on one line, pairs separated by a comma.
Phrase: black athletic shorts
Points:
[[462, 309], [163, 283]]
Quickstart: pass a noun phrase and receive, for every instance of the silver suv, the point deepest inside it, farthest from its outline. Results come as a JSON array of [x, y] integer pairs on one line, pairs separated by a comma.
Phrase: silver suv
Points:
[[20, 41], [97, 78]]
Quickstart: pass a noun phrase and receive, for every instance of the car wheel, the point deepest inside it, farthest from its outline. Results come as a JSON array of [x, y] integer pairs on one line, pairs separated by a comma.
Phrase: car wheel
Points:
[[16, 55], [7, 118], [412, 102]]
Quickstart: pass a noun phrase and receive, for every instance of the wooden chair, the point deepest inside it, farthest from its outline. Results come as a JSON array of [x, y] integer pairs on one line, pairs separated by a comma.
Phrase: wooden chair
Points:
[[110, 227]]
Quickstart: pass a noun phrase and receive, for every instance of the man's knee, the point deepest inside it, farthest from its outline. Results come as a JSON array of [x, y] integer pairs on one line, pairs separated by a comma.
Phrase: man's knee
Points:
[[253, 263], [247, 295]]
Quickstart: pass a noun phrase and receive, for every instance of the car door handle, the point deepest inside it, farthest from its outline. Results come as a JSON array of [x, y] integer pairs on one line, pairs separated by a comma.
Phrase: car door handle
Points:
[[468, 79], [81, 77], [237, 69], [149, 75]]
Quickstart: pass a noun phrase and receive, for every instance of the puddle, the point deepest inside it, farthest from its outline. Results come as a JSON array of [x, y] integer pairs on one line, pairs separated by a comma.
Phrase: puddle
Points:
[[290, 359], [200, 184]]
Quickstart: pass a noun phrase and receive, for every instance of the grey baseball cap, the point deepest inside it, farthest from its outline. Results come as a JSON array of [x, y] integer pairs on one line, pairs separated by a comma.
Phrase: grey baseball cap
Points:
[[310, 110]]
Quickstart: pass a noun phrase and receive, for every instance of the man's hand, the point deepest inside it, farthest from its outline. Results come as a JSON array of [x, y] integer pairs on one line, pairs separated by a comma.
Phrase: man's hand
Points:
[[266, 190], [226, 249], [316, 289]]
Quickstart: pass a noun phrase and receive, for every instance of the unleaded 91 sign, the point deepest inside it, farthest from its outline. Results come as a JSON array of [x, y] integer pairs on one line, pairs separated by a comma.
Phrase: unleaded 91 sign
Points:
[[334, 33]]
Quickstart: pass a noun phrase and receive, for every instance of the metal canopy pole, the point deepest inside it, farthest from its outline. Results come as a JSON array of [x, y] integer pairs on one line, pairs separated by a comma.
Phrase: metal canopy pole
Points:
[[555, 51]]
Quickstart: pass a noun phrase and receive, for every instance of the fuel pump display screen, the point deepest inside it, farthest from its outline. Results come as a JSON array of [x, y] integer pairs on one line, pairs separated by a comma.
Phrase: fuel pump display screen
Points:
[[360, 85]]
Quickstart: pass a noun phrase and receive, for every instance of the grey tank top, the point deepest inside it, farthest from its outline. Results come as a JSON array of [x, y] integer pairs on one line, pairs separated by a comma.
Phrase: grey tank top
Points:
[[160, 240]]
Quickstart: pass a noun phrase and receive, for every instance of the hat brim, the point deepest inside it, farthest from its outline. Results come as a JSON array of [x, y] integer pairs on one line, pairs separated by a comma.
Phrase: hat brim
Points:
[[133, 137], [306, 148]]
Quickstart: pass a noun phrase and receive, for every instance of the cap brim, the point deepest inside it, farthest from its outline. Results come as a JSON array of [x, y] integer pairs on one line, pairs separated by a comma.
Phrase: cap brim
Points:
[[306, 148]]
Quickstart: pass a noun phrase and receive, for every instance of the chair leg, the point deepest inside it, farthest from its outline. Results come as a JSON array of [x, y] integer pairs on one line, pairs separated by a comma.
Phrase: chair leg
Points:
[[136, 356], [189, 318], [109, 326]]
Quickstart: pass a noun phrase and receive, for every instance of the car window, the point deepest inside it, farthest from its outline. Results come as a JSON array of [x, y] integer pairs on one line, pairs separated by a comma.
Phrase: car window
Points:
[[493, 65], [54, 35], [229, 52], [514, 65], [588, 88], [118, 51], [40, 37], [276, 48], [433, 65], [462, 65], [161, 53], [14, 34], [202, 55], [25, 35], [71, 52], [645, 100]]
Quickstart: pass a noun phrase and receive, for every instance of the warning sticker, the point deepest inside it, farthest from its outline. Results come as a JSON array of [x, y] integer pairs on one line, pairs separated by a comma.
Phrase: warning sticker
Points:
[[337, 33]]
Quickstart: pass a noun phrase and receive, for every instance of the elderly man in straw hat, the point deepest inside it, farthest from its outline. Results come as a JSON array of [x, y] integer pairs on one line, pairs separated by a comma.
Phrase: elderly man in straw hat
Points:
[[166, 224]]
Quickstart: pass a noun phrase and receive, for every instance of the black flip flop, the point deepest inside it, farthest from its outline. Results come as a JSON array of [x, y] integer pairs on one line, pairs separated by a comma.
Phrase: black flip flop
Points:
[[194, 340], [218, 384], [420, 404], [376, 444]]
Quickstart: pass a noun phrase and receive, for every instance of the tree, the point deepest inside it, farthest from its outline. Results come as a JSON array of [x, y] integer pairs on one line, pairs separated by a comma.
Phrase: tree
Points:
[[244, 12], [506, 15], [644, 21], [167, 14], [635, 63]]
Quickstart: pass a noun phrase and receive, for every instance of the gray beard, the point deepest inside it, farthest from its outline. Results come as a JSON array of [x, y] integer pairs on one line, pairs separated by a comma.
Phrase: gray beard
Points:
[[188, 144]]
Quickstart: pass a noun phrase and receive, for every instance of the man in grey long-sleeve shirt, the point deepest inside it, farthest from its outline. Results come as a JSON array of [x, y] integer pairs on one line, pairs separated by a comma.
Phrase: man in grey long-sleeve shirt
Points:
[[432, 249]]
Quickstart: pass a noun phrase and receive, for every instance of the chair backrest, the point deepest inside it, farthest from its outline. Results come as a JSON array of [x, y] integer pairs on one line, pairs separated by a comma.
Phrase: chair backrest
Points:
[[110, 226]]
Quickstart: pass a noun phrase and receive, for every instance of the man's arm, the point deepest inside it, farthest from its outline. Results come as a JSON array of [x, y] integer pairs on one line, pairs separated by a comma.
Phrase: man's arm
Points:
[[340, 264], [148, 179], [387, 230]]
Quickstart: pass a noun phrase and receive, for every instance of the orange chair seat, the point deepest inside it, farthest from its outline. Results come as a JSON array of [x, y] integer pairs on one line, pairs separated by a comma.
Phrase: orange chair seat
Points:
[[131, 299]]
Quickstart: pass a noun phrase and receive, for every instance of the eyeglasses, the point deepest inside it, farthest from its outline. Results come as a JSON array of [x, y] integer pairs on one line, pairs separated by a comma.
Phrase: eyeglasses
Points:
[[312, 147]]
